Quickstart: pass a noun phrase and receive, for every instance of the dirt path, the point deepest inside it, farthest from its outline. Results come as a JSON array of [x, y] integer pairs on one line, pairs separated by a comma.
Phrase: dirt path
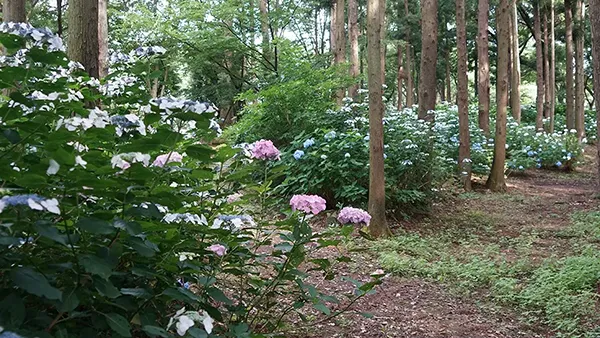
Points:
[[538, 201]]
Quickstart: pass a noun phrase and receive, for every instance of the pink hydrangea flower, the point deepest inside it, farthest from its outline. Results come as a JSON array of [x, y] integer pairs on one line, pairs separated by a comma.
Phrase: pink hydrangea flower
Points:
[[308, 203], [353, 215], [218, 249], [162, 160], [234, 198], [265, 150]]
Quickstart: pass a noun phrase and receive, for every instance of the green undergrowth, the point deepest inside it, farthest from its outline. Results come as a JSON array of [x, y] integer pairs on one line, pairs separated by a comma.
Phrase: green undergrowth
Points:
[[555, 288]]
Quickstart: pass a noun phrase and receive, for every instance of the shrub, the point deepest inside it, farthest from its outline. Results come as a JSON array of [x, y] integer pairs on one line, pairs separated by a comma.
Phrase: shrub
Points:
[[122, 221]]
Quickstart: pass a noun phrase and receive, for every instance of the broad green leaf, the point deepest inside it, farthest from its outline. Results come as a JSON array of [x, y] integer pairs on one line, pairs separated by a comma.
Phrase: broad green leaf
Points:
[[69, 301], [136, 292], [200, 152], [197, 333], [34, 283], [106, 288], [11, 135], [155, 331], [321, 307], [46, 229], [218, 295], [118, 324], [96, 265], [95, 226]]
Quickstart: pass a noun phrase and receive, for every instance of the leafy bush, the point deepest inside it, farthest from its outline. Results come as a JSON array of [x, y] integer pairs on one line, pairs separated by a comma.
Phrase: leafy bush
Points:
[[105, 211]]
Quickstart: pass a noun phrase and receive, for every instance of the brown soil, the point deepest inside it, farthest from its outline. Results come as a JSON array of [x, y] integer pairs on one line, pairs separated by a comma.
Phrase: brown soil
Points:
[[539, 201]]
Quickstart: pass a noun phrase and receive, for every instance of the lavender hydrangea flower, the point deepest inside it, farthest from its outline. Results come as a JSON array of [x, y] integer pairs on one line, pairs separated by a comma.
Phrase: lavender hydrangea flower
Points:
[[217, 249], [298, 154], [349, 215], [162, 160], [308, 143], [308, 203], [35, 202], [265, 150]]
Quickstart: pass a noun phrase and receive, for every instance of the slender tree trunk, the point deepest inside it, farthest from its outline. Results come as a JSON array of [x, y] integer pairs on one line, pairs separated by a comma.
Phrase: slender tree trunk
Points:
[[59, 18], [552, 67], [579, 70], [448, 81], [547, 84], [515, 104], [14, 11], [264, 29], [382, 33], [354, 49], [400, 75], [539, 53], [570, 74], [496, 180], [427, 79], [409, 68], [339, 53], [483, 83], [332, 27], [464, 155], [595, 23], [378, 226], [102, 38], [83, 39]]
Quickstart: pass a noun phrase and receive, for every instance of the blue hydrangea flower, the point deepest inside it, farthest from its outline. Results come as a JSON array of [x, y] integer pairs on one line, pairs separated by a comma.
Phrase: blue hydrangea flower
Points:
[[308, 143], [21, 199], [521, 167], [330, 135], [530, 153], [298, 154], [539, 165], [186, 285], [558, 163]]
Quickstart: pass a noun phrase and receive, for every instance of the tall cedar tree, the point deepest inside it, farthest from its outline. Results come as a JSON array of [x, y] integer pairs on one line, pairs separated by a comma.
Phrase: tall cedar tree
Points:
[[464, 156], [595, 23], [579, 70], [83, 39], [102, 38], [496, 180], [551, 41], [410, 91], [14, 11], [515, 78], [339, 53], [378, 226], [539, 61], [400, 74], [570, 73], [263, 8], [427, 74], [354, 49], [483, 61], [547, 84]]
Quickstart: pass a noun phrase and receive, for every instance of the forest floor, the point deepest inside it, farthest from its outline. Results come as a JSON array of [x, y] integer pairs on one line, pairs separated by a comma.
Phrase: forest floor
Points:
[[455, 272]]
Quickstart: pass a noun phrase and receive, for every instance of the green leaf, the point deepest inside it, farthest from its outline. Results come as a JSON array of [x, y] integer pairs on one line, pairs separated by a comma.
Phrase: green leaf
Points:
[[69, 301], [11, 41], [143, 247], [95, 226], [46, 229], [197, 333], [32, 181], [132, 228], [218, 295], [321, 307], [200, 152], [155, 331], [106, 288], [96, 265], [136, 292], [12, 135], [34, 283], [118, 324]]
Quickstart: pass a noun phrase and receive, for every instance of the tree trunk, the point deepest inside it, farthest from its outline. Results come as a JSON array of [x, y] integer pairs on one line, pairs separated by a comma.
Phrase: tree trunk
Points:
[[570, 98], [547, 84], [579, 70], [464, 156], [102, 38], [515, 93], [354, 49], [339, 53], [83, 39], [409, 68], [332, 27], [264, 29], [382, 38], [400, 75], [496, 181], [448, 82], [483, 69], [552, 67], [14, 11], [427, 78], [378, 226], [539, 53], [595, 23], [59, 18]]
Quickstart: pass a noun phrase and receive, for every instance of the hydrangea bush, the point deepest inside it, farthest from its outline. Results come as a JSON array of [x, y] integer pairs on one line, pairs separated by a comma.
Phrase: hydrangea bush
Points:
[[119, 219]]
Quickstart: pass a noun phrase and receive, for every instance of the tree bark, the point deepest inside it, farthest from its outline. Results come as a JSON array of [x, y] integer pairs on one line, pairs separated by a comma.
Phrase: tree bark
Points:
[[83, 39], [483, 69], [427, 74], [409, 68], [264, 29], [333, 27], [400, 75], [552, 76], [570, 99], [547, 84], [496, 180], [464, 156], [579, 70], [378, 225], [515, 92], [102, 38], [354, 49], [339, 53], [382, 33], [14, 11], [539, 61], [59, 18], [595, 23]]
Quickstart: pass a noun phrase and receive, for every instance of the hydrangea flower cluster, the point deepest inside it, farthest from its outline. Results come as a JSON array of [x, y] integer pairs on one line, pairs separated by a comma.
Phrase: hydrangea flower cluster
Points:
[[35, 202], [40, 36], [217, 249], [148, 51], [298, 154], [232, 222], [97, 118], [308, 203], [124, 160], [349, 215], [185, 218], [184, 320], [265, 150], [128, 122], [168, 103], [162, 160]]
